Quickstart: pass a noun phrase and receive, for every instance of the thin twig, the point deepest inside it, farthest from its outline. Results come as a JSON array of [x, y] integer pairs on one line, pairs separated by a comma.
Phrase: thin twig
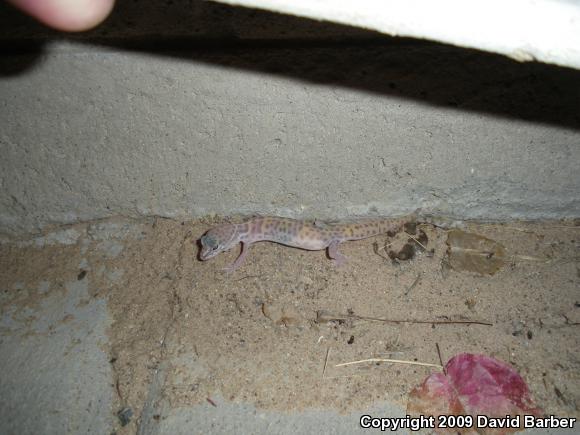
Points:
[[377, 250], [471, 251], [428, 322], [417, 241], [325, 362], [412, 286], [528, 258], [323, 316], [396, 361], [568, 323], [440, 359], [248, 276]]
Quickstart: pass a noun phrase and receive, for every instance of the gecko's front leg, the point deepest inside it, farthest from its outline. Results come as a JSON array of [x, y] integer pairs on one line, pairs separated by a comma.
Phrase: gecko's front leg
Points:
[[333, 253], [240, 259]]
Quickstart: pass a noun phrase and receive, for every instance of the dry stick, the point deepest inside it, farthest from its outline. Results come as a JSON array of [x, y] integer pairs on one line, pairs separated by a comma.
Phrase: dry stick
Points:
[[440, 359], [396, 361], [377, 250], [471, 251], [412, 286], [417, 241], [568, 323], [248, 276], [325, 362], [528, 258], [428, 322]]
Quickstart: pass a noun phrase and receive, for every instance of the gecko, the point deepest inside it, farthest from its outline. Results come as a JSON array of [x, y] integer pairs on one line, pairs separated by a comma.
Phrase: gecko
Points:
[[294, 233]]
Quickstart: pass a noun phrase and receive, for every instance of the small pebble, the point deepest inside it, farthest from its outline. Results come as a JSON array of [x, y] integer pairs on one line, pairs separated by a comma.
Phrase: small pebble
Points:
[[125, 415]]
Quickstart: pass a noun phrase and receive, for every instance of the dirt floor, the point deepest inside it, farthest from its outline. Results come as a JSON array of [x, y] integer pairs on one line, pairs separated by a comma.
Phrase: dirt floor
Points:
[[272, 332]]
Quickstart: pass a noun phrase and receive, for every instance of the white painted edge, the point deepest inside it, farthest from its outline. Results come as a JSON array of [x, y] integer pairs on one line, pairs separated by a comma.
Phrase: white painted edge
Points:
[[525, 30]]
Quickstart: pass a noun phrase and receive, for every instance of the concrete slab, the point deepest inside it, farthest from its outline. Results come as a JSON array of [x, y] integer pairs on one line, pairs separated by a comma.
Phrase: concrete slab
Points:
[[56, 377], [95, 132], [226, 418]]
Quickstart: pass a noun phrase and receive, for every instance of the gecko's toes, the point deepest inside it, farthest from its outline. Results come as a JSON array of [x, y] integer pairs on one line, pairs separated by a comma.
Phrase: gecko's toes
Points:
[[339, 262]]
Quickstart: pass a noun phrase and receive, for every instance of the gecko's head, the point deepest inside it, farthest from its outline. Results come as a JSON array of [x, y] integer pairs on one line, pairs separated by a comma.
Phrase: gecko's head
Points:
[[216, 240]]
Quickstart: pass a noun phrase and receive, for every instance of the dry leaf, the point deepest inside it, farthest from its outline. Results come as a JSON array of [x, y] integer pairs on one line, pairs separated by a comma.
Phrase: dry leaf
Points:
[[474, 253]]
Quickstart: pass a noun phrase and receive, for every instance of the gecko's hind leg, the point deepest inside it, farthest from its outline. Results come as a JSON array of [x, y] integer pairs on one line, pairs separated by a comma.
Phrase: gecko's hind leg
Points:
[[239, 260], [336, 256]]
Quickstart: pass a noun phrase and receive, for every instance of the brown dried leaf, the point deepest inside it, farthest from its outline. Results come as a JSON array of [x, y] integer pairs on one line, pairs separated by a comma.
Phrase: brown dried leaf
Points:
[[474, 253]]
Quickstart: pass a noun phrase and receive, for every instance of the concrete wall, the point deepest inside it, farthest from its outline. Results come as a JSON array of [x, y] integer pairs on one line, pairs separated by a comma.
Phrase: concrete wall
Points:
[[188, 108]]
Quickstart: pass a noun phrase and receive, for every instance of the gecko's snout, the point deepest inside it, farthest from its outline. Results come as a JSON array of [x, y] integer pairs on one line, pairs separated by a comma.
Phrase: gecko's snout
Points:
[[206, 253], [209, 247], [216, 240]]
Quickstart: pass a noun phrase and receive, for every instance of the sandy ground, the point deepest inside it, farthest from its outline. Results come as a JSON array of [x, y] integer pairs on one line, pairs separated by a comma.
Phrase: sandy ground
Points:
[[271, 333]]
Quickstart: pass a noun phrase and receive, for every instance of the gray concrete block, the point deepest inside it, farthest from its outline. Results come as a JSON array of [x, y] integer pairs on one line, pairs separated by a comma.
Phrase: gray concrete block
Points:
[[183, 109], [227, 418], [93, 132], [56, 377]]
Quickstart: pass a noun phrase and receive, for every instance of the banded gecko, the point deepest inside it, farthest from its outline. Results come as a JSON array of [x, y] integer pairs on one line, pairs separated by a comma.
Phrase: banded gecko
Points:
[[295, 233]]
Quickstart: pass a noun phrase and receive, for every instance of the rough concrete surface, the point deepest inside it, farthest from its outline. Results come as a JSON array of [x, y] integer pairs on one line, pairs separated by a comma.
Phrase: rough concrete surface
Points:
[[135, 135], [56, 376], [311, 125], [242, 418]]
